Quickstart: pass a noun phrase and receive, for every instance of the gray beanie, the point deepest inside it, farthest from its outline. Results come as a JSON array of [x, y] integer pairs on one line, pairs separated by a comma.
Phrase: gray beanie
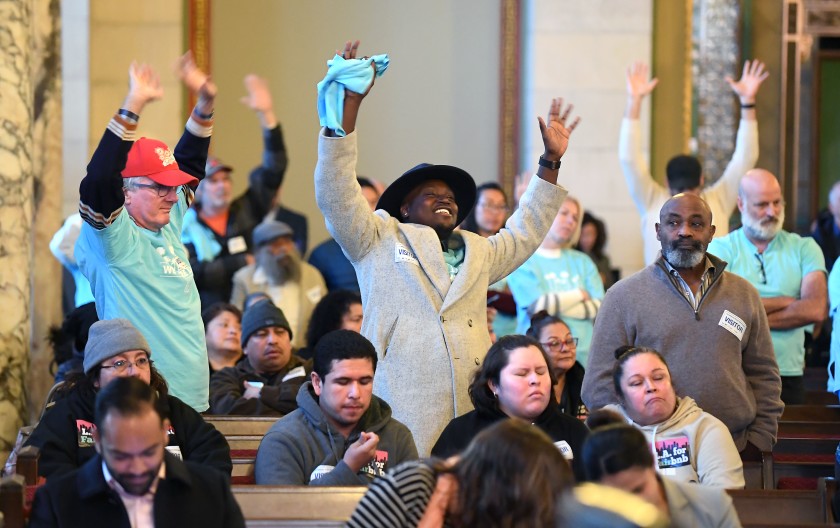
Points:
[[112, 337], [263, 314], [268, 230]]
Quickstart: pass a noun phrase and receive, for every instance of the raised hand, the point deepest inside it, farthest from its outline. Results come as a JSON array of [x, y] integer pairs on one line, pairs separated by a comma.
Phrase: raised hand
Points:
[[259, 96], [349, 52], [197, 82], [639, 84], [259, 99], [555, 134], [747, 86], [143, 87]]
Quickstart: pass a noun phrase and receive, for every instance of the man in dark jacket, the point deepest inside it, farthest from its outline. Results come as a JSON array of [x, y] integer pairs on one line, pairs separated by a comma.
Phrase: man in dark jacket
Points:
[[341, 434], [216, 230], [133, 480], [267, 378]]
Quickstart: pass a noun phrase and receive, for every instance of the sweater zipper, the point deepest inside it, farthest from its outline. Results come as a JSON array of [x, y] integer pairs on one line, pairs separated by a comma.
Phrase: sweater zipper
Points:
[[712, 285]]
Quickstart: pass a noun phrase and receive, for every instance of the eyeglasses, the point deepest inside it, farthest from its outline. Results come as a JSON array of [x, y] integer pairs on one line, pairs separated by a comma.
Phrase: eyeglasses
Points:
[[122, 365], [761, 263], [495, 208], [569, 343], [162, 190]]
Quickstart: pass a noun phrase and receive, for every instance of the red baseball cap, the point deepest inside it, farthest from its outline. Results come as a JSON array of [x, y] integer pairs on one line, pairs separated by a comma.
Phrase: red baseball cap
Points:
[[153, 159]]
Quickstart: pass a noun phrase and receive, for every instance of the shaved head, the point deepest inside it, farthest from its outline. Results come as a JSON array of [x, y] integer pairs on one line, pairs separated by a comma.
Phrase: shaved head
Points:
[[758, 181], [685, 230], [761, 204], [686, 200]]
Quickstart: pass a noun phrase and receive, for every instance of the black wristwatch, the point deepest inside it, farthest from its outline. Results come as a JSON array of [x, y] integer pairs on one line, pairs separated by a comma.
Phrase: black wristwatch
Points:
[[548, 164]]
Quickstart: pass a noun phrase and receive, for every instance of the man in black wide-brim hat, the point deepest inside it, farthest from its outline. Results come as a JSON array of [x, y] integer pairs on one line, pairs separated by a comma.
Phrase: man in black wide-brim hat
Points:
[[424, 285]]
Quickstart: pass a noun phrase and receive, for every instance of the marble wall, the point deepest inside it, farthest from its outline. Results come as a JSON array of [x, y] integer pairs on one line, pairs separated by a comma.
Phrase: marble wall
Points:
[[580, 51], [16, 190], [47, 175]]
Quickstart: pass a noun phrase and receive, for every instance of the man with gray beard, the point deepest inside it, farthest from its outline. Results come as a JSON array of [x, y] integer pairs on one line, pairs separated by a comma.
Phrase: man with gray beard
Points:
[[709, 325], [787, 270], [293, 285]]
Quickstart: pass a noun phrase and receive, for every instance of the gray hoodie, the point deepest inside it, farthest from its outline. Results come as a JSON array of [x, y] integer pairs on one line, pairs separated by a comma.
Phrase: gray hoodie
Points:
[[302, 448], [693, 446]]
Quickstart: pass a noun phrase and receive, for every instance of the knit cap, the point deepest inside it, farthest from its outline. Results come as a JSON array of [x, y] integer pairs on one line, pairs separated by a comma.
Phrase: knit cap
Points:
[[110, 338], [261, 315]]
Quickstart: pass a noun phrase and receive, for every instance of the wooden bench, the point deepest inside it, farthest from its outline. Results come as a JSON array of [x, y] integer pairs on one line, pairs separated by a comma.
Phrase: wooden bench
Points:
[[11, 502], [287, 506], [811, 413], [781, 507], [241, 425]]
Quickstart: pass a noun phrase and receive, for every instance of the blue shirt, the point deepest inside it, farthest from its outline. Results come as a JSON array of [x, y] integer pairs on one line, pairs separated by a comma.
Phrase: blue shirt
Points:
[[778, 272], [541, 274], [145, 277]]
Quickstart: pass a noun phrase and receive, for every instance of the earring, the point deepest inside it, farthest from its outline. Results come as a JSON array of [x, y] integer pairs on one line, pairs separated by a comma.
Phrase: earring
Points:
[[405, 215]]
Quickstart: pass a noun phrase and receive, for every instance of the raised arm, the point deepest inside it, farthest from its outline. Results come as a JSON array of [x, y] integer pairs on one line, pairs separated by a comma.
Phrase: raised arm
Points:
[[555, 137], [100, 192], [745, 154], [338, 195], [643, 189], [746, 88], [265, 179], [191, 150], [639, 86], [352, 100]]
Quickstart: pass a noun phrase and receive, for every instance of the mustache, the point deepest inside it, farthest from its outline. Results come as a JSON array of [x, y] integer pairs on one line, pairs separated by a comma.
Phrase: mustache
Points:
[[686, 245]]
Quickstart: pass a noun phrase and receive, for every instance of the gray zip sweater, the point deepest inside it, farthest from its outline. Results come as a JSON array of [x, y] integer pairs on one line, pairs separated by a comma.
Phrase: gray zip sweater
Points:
[[736, 380], [303, 441]]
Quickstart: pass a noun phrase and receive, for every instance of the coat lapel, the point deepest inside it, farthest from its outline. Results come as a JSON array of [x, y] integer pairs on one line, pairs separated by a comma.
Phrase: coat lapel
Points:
[[468, 274], [425, 246]]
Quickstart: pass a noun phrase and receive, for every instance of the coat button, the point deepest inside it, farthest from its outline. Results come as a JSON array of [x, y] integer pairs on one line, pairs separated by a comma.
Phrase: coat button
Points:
[[469, 322], [442, 319], [477, 362]]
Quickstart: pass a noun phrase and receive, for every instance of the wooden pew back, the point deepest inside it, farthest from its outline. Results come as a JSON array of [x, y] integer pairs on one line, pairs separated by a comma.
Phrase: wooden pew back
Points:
[[286, 506], [780, 507]]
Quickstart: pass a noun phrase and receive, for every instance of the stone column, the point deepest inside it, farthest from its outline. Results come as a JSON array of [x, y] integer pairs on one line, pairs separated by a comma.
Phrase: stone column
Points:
[[45, 307], [16, 202], [715, 53], [30, 191]]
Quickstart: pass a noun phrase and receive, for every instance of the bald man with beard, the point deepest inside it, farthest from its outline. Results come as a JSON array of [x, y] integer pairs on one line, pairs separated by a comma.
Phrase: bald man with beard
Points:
[[293, 285], [787, 270], [708, 323]]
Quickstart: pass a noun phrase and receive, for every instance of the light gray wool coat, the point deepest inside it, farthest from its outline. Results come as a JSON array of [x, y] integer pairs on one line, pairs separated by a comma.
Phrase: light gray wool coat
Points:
[[430, 334]]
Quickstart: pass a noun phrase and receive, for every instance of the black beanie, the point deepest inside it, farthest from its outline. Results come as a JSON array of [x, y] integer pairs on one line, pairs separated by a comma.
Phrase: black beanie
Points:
[[261, 315]]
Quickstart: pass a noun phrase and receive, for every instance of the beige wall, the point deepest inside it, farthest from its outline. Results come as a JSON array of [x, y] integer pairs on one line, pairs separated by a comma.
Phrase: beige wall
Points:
[[437, 103], [580, 52]]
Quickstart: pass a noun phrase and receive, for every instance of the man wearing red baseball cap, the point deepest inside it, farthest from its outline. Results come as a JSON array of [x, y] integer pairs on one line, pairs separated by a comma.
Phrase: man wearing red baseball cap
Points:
[[133, 200]]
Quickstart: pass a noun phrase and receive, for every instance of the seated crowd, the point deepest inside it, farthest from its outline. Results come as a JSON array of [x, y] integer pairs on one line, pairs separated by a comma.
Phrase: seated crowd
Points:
[[366, 383]]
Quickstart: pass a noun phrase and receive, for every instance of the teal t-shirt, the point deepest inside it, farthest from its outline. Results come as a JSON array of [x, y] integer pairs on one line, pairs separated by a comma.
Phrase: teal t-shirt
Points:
[[543, 274], [787, 260], [145, 277]]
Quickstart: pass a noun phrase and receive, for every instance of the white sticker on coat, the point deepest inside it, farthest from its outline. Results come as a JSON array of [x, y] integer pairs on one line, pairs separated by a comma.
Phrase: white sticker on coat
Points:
[[403, 254], [314, 294], [565, 449], [733, 324]]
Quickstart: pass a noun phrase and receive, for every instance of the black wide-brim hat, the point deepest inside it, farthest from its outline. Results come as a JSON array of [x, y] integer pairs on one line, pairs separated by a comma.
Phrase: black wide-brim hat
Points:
[[461, 183]]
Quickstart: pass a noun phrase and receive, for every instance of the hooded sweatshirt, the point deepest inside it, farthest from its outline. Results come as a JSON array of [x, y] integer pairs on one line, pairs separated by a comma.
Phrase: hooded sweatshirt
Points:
[[692, 446], [302, 448]]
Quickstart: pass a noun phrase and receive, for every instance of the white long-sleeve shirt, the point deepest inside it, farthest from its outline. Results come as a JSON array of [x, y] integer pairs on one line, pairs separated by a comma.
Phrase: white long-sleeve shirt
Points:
[[649, 195]]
